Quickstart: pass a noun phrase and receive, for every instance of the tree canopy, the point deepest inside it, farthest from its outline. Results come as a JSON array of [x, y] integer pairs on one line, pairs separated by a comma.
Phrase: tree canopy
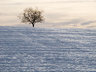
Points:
[[31, 16]]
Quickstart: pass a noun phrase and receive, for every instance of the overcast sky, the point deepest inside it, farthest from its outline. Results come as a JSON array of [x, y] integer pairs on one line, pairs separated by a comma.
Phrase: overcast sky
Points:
[[57, 13]]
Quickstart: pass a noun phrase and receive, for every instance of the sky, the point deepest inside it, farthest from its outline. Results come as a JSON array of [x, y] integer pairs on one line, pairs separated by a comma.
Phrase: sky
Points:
[[57, 13]]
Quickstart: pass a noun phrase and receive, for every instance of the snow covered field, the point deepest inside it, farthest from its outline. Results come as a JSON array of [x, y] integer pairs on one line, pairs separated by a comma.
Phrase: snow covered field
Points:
[[26, 49]]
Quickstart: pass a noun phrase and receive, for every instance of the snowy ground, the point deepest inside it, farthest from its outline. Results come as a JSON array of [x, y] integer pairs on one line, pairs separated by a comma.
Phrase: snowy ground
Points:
[[24, 49]]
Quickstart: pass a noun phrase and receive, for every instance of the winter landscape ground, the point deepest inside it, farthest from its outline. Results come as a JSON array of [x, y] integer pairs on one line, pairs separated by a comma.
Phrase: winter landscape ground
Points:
[[26, 49]]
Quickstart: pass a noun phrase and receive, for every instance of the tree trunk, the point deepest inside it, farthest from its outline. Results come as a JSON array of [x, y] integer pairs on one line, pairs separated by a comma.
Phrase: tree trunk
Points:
[[33, 25]]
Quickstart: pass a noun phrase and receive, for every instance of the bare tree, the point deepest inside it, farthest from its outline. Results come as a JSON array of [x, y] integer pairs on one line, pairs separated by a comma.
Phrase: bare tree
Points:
[[31, 16]]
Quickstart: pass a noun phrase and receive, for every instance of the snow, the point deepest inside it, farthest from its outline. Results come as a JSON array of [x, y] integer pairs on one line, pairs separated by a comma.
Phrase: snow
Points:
[[26, 49]]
